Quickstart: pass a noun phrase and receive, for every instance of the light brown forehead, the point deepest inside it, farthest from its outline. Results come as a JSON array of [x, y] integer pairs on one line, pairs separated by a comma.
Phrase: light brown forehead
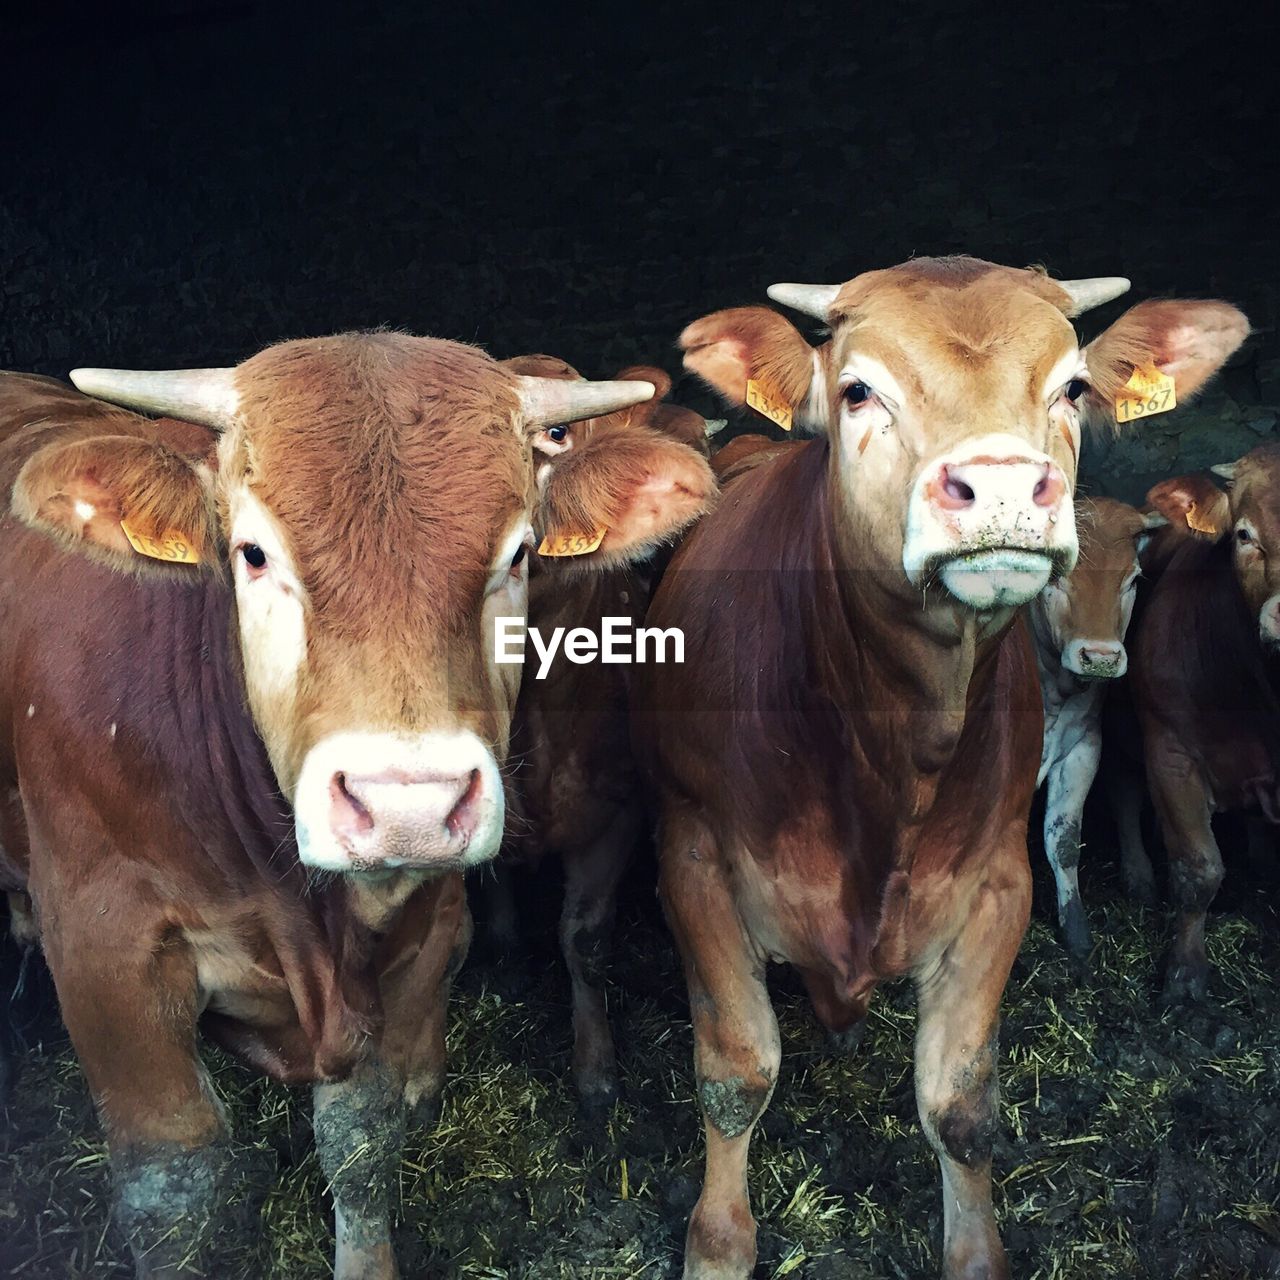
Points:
[[937, 322], [1255, 488], [392, 463], [1107, 531]]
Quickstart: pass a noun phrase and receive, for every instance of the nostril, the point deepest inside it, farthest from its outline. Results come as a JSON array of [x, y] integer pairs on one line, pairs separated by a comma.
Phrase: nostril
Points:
[[1049, 488], [348, 815], [462, 816], [954, 490]]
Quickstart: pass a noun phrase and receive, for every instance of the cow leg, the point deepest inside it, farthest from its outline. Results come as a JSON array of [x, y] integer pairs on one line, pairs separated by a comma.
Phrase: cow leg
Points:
[[957, 1090], [586, 938], [1069, 780], [1127, 794], [1195, 864], [359, 1126], [131, 1012], [736, 1047]]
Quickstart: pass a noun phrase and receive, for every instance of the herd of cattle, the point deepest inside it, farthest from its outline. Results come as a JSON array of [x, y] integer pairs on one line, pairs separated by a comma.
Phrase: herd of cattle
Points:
[[254, 729]]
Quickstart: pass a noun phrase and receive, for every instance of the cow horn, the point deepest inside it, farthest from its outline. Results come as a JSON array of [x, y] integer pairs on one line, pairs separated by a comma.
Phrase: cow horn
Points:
[[813, 299], [1093, 292], [206, 396], [550, 401], [1153, 520], [713, 426], [1227, 470]]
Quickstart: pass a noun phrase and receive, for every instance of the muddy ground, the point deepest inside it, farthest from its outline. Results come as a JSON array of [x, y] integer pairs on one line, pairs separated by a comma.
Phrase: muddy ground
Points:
[[183, 181]]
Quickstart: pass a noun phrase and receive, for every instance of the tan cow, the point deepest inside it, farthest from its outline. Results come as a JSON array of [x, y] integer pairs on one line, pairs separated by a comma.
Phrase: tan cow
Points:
[[846, 759], [252, 722], [1078, 623], [573, 780]]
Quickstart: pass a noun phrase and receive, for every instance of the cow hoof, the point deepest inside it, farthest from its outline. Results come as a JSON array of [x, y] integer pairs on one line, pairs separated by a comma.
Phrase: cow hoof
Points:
[[1075, 932], [1185, 983], [424, 1115], [1141, 888], [595, 1110], [849, 1039]]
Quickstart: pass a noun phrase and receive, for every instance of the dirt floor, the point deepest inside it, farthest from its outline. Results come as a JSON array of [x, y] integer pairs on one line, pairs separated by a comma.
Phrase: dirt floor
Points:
[[1139, 1143], [184, 181]]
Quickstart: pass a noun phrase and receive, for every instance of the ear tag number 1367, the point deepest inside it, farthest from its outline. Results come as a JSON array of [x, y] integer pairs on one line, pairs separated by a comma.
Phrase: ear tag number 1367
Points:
[[1148, 392]]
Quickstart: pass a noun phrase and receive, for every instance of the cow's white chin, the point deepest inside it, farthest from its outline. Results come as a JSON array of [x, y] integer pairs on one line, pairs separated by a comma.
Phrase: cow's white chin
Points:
[[1001, 579]]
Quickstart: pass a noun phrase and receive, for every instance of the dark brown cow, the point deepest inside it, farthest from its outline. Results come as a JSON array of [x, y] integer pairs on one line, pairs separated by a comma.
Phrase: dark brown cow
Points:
[[846, 759], [1078, 623], [573, 779], [184, 746], [1206, 682]]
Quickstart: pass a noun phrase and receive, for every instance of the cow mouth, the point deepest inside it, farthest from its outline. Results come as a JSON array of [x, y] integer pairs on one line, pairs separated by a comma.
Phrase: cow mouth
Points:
[[998, 577]]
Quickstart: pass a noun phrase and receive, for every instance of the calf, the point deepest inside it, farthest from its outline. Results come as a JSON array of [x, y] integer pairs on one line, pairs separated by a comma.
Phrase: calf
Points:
[[252, 722], [1078, 623], [573, 780], [846, 759], [1206, 682]]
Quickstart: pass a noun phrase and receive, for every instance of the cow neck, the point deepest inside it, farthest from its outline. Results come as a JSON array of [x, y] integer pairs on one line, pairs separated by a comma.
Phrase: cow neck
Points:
[[320, 943], [910, 662]]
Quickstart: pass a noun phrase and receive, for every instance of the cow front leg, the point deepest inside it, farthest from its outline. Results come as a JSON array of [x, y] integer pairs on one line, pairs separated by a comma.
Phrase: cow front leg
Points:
[[736, 1048], [131, 1009], [1181, 801], [586, 939], [1069, 780], [957, 1088], [359, 1126]]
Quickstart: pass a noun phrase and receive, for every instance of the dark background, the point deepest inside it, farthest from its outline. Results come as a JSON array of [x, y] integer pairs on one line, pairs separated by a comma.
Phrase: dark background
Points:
[[185, 182]]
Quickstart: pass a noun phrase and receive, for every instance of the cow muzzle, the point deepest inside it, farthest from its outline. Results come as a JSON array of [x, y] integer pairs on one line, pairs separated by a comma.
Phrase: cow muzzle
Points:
[[370, 802], [1095, 659], [991, 522], [1269, 623]]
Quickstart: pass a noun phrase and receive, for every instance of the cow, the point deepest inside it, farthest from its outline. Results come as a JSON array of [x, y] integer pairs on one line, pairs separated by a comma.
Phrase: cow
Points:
[[1078, 623], [572, 781], [1205, 676], [845, 761], [252, 723]]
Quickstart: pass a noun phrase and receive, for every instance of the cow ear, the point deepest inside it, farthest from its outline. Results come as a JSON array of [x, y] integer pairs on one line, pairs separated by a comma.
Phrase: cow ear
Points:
[[729, 348], [1192, 503], [621, 497], [1188, 341], [131, 500]]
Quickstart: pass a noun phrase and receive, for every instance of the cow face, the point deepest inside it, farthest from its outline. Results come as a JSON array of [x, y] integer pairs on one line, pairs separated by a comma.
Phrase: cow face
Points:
[[953, 392], [1248, 513], [372, 500], [1086, 612]]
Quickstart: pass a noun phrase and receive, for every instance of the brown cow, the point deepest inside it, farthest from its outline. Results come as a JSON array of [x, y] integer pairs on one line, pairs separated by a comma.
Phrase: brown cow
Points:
[[240, 787], [573, 780], [1078, 623], [846, 759], [1206, 682]]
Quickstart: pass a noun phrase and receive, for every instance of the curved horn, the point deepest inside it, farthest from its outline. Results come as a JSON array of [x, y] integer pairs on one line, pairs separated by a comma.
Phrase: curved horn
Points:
[[1153, 520], [1227, 470], [551, 401], [713, 426], [206, 396], [813, 299], [1093, 292]]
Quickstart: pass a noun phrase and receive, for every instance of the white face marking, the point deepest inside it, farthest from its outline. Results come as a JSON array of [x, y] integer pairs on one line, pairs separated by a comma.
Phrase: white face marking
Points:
[[506, 596], [1070, 366], [85, 510], [861, 368], [270, 606]]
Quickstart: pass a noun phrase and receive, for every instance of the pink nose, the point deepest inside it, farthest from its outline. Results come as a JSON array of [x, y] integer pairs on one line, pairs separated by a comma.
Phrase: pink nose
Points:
[[392, 815], [1100, 654], [987, 481]]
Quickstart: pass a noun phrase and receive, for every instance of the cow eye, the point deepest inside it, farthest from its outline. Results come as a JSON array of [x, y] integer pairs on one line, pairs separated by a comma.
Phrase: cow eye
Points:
[[254, 556], [518, 559], [557, 433], [1244, 537], [856, 393], [1076, 388]]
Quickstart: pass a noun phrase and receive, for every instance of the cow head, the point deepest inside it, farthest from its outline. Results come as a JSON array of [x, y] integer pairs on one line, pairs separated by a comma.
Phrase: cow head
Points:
[[953, 392], [371, 498], [1247, 512], [1086, 612]]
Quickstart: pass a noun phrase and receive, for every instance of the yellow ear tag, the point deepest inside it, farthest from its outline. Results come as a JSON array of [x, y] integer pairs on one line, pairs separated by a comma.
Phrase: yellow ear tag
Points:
[[1148, 392], [572, 544], [1199, 523], [169, 545], [765, 402]]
